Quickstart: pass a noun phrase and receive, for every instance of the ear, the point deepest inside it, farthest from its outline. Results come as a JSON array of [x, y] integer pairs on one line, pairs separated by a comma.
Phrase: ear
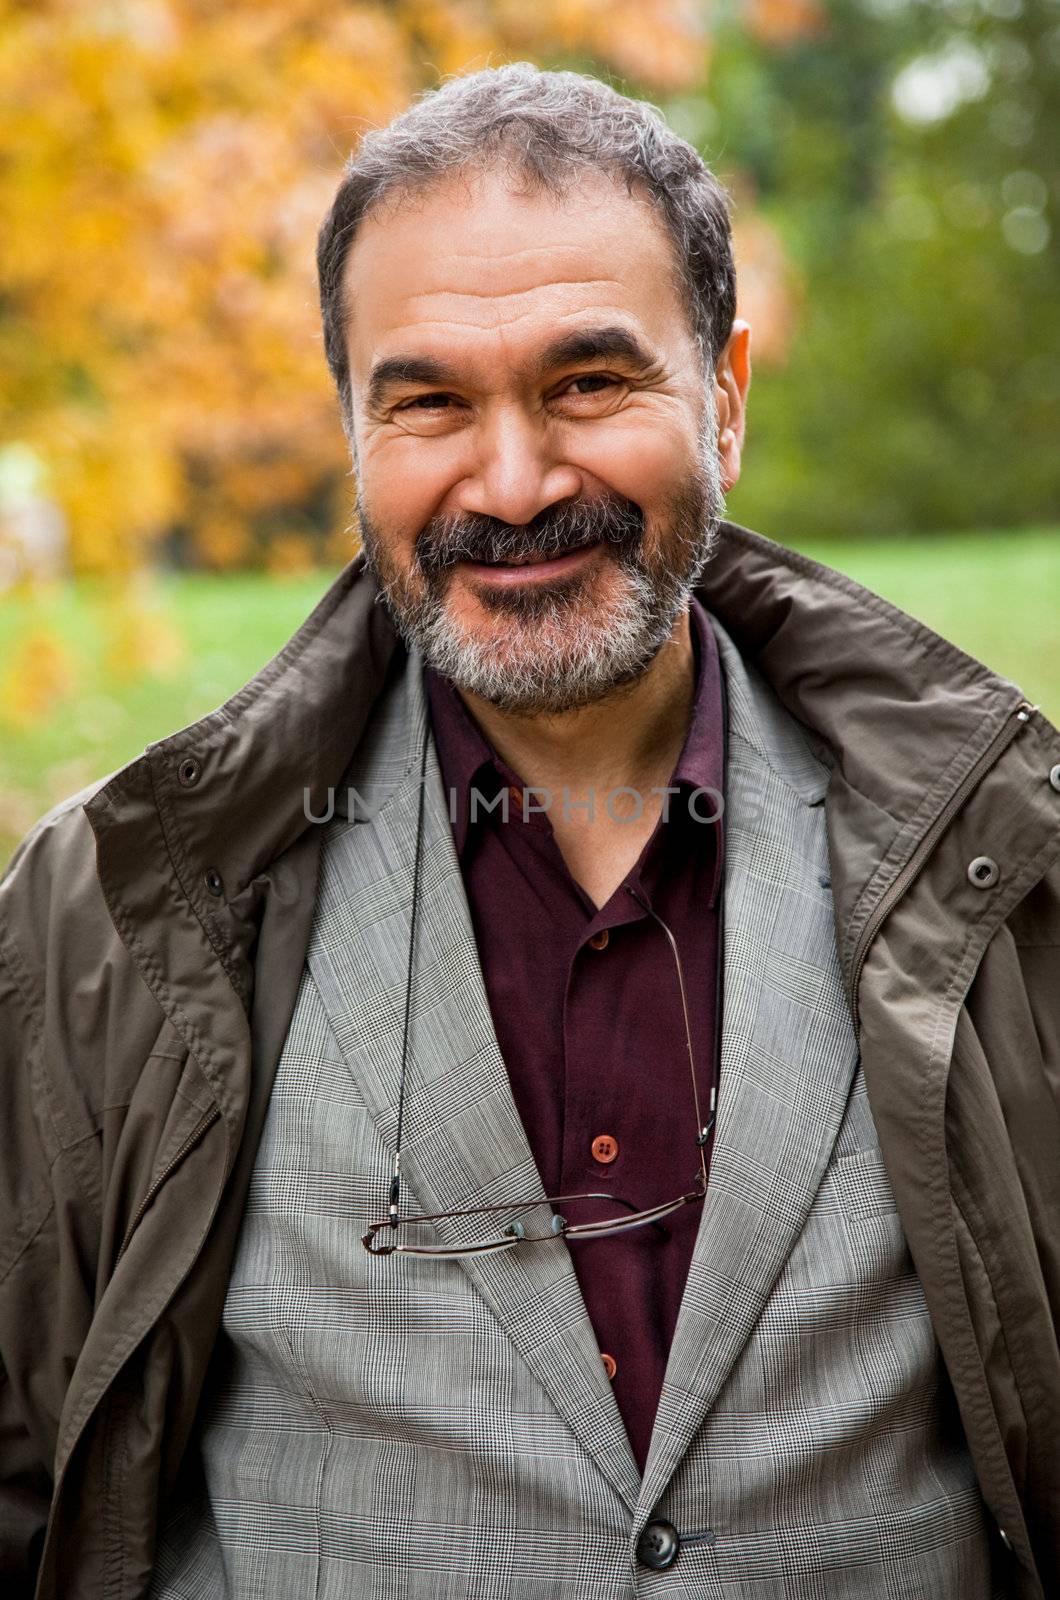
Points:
[[732, 378]]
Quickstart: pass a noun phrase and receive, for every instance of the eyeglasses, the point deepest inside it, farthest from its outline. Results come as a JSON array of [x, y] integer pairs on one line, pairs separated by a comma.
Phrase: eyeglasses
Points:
[[514, 1233]]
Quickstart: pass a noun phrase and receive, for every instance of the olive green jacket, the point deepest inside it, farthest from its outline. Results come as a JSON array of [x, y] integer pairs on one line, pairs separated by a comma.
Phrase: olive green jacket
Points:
[[152, 937]]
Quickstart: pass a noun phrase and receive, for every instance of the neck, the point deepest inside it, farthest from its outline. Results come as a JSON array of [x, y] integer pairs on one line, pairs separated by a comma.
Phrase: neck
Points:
[[632, 737]]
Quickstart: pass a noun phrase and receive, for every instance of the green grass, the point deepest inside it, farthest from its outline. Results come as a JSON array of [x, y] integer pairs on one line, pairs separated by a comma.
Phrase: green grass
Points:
[[996, 595], [225, 627]]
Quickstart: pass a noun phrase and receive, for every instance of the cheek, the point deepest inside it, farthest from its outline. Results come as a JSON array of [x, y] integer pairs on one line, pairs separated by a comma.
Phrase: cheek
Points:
[[641, 458], [400, 490]]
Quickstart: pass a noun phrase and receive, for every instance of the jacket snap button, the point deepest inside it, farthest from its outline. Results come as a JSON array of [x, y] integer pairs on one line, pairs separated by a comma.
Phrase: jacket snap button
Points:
[[983, 872], [1054, 777], [213, 881], [189, 772], [657, 1546], [1005, 1540]]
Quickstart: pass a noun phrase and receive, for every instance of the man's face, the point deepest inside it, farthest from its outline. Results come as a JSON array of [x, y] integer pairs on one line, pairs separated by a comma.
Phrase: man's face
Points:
[[535, 437]]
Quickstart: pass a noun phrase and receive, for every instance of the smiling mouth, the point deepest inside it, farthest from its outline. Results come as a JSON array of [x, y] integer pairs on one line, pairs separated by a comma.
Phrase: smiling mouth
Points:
[[534, 565], [533, 559]]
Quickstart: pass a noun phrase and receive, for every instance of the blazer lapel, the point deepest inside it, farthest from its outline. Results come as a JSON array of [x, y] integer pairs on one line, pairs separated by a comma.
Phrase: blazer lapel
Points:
[[788, 1058], [463, 1142]]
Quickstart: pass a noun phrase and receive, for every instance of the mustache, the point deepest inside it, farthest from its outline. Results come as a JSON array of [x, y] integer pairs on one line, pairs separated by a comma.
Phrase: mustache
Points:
[[607, 519]]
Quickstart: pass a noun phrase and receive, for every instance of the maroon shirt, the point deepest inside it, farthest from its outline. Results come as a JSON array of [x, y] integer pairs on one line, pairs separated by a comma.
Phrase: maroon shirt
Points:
[[587, 1012]]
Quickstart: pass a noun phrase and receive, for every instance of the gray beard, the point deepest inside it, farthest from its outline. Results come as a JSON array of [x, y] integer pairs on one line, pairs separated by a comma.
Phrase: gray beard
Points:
[[557, 648]]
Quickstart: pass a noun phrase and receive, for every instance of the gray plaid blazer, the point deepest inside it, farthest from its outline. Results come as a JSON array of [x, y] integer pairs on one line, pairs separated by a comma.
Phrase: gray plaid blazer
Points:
[[414, 1430]]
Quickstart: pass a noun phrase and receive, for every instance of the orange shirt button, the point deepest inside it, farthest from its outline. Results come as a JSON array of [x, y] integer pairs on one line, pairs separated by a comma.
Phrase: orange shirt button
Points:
[[599, 940], [610, 1364], [605, 1148]]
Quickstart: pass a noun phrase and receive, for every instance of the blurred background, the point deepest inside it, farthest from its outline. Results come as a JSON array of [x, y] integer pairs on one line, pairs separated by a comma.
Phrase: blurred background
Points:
[[174, 488]]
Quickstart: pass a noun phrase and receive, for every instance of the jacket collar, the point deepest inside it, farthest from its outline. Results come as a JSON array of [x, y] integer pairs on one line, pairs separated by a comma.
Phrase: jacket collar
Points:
[[899, 714]]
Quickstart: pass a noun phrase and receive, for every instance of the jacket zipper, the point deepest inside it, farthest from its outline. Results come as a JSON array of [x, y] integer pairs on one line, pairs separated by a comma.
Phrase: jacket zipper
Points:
[[205, 1121], [911, 871]]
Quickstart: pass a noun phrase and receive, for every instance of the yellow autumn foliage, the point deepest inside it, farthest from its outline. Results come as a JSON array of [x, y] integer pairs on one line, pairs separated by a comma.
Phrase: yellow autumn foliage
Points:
[[39, 674], [140, 640], [166, 166]]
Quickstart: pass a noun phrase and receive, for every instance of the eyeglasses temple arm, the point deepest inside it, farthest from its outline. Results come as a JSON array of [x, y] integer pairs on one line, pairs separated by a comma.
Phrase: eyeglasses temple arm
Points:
[[702, 1131]]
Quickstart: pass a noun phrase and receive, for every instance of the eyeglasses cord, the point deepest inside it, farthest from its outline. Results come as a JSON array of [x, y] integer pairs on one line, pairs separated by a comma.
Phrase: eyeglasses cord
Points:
[[394, 1197]]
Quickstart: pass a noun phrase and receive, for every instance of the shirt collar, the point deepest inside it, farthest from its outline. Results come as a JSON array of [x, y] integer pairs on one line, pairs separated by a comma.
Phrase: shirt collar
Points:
[[466, 759], [701, 764], [700, 761]]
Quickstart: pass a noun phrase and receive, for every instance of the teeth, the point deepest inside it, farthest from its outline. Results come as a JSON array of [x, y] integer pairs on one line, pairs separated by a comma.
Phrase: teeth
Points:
[[534, 557]]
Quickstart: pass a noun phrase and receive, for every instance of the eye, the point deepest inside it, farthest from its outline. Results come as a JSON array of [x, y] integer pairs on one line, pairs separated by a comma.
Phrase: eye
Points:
[[591, 383], [427, 402], [590, 393]]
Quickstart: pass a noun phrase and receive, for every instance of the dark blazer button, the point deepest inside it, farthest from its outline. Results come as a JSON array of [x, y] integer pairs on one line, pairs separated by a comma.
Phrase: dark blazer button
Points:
[[657, 1545]]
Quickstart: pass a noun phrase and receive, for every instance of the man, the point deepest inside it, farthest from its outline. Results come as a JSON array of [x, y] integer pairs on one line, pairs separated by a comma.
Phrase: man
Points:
[[618, 853]]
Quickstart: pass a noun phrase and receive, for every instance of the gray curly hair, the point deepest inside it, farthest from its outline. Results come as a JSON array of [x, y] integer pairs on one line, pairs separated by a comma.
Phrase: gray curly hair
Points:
[[548, 126]]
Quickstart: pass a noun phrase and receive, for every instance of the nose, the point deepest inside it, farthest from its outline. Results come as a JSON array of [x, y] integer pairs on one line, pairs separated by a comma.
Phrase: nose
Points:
[[516, 475]]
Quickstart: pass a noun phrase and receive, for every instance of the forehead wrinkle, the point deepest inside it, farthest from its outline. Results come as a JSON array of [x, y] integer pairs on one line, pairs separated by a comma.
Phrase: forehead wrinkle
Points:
[[548, 247], [499, 294], [512, 294]]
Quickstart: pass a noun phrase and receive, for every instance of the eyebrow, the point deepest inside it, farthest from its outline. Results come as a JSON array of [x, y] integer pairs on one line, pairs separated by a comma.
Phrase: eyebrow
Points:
[[609, 343], [407, 369]]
